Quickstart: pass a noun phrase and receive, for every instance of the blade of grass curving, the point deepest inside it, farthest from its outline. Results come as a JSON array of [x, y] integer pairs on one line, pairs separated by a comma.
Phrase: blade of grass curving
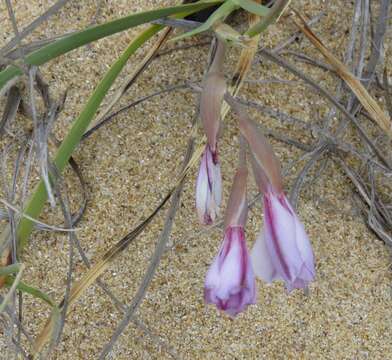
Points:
[[84, 37], [252, 7], [10, 269], [12, 283], [273, 15], [22, 286], [224, 10]]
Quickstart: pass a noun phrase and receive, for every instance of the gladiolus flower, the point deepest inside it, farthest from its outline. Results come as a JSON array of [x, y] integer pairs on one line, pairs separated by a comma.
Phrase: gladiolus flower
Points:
[[209, 182], [282, 250], [208, 187], [230, 281]]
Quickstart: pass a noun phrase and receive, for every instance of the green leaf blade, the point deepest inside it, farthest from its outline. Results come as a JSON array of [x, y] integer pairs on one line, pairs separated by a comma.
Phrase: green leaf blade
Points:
[[252, 7], [97, 32], [223, 11]]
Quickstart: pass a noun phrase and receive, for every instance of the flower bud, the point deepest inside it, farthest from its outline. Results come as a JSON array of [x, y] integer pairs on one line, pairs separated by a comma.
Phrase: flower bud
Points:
[[208, 187]]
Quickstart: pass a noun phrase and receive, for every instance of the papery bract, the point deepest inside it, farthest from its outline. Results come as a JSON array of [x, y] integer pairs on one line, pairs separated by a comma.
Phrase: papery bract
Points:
[[263, 155], [230, 281], [211, 97], [282, 250], [208, 187]]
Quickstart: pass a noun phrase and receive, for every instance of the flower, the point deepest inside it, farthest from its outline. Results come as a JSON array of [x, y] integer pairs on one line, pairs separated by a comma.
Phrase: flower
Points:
[[209, 182], [208, 187], [282, 250], [230, 281]]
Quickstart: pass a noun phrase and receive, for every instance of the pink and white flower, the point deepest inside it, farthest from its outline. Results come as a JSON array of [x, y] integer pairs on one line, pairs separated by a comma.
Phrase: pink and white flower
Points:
[[230, 282], [208, 187], [282, 250]]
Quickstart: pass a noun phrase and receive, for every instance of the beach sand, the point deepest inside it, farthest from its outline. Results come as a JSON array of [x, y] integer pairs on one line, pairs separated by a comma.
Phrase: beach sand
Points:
[[130, 165]]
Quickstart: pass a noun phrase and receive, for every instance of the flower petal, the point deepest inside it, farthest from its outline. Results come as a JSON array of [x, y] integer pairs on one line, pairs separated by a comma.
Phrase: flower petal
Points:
[[230, 281], [280, 238], [261, 261], [208, 187]]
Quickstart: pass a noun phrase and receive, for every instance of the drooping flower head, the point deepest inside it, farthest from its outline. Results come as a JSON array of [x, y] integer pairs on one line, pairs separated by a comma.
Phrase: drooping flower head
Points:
[[209, 183], [230, 282], [282, 250], [208, 187]]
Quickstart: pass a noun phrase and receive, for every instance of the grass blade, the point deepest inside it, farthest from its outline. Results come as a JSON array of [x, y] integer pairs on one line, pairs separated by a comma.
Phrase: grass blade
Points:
[[225, 9], [10, 269], [15, 283], [252, 7], [84, 37], [272, 16], [12, 283], [22, 286]]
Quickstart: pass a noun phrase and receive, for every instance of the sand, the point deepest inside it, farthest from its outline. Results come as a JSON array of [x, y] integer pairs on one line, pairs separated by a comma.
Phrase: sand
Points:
[[129, 166]]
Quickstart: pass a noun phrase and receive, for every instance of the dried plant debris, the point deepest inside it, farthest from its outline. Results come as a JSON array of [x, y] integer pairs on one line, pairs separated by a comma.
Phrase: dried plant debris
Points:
[[320, 105]]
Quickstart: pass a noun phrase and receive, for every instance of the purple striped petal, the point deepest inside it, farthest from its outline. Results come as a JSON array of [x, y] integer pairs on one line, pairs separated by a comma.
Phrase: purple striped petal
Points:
[[230, 281], [285, 244]]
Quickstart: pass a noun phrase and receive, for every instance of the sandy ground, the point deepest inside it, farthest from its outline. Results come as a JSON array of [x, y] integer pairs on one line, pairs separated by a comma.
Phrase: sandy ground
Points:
[[129, 167]]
